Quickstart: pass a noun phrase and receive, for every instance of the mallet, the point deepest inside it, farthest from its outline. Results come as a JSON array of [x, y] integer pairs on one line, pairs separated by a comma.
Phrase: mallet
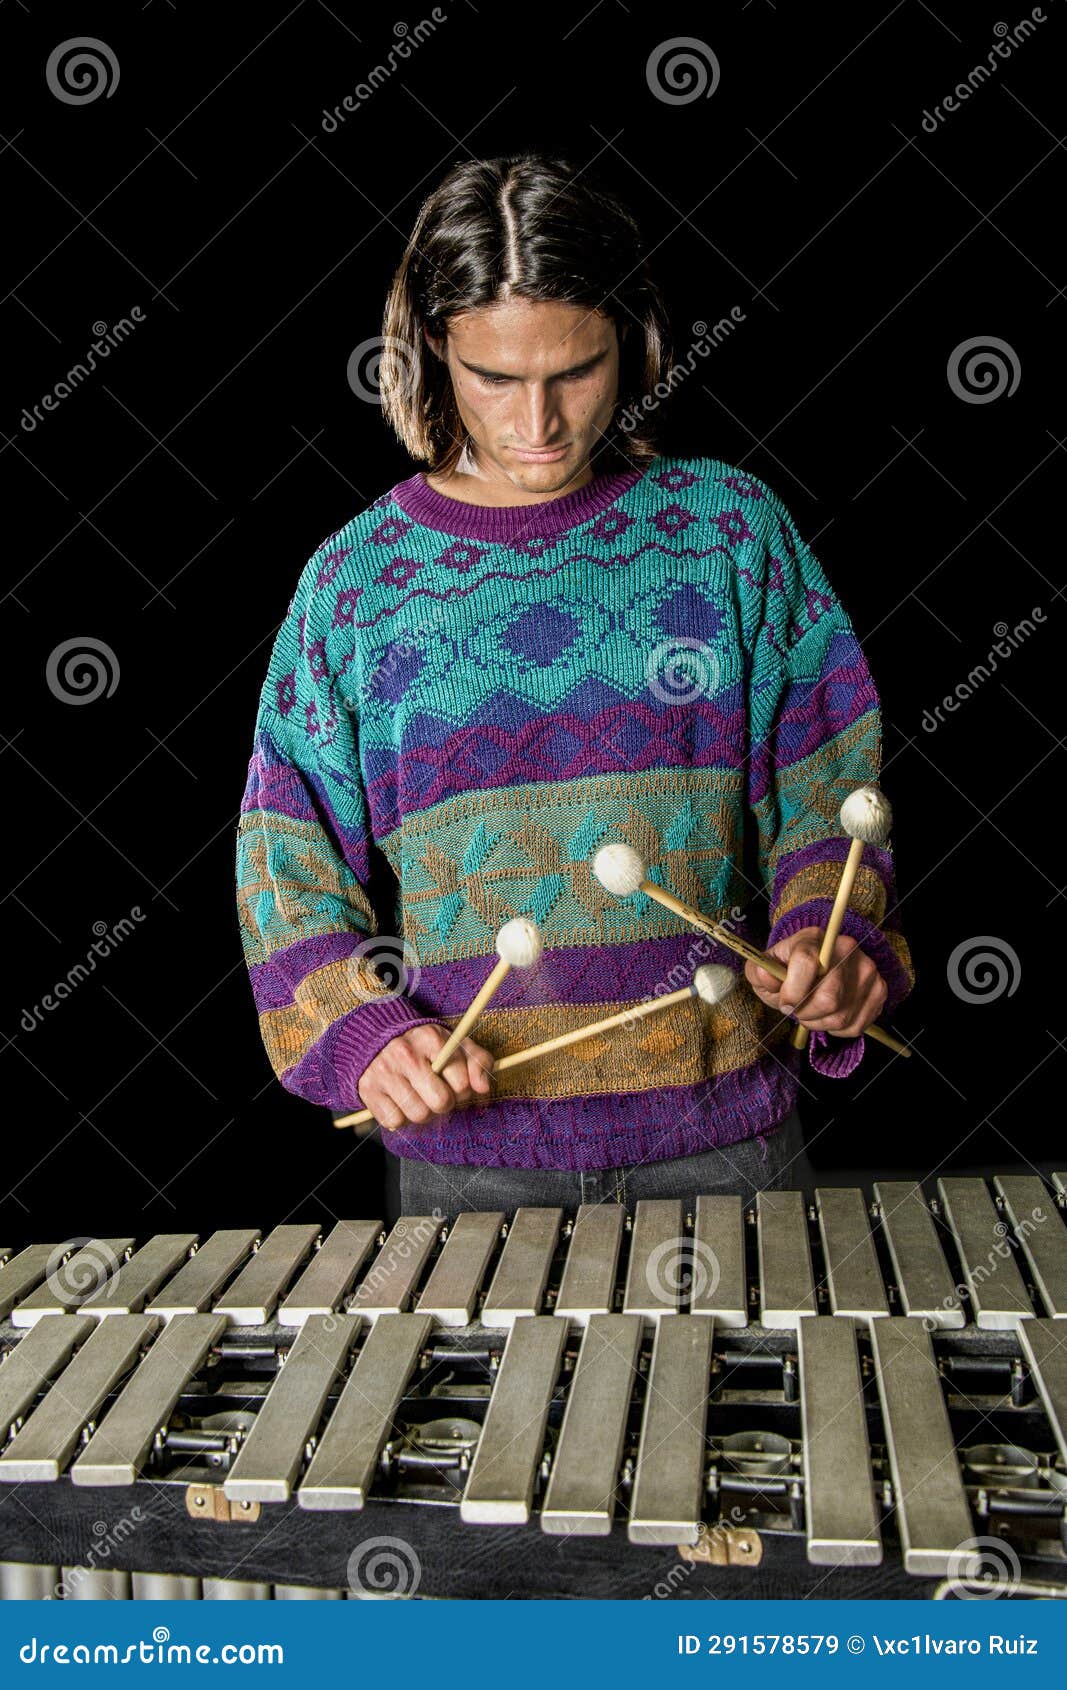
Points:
[[518, 945], [866, 817], [620, 869], [712, 982]]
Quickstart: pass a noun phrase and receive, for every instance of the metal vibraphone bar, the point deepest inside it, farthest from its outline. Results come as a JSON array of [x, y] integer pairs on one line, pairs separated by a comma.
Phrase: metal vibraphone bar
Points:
[[874, 1383]]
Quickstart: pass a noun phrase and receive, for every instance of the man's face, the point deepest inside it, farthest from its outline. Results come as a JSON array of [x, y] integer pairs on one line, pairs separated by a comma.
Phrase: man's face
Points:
[[535, 385]]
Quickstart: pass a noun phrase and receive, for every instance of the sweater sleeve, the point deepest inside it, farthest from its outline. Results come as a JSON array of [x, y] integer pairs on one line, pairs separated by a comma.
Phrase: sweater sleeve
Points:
[[308, 928], [815, 734]]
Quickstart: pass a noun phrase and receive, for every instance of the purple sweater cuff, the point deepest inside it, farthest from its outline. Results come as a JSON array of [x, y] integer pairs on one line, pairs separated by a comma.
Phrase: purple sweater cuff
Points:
[[816, 912], [835, 1057], [354, 1041]]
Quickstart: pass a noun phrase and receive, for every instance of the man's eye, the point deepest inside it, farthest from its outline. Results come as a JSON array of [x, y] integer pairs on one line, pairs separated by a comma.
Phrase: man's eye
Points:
[[497, 381]]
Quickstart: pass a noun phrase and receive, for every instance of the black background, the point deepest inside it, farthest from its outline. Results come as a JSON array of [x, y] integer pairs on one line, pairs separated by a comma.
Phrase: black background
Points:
[[166, 507]]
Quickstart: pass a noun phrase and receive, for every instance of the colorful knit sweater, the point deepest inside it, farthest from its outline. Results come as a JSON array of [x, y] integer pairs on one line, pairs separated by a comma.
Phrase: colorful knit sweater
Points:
[[474, 699]]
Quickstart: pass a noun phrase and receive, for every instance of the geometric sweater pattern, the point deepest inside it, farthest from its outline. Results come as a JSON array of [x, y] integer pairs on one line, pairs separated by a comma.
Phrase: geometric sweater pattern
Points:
[[462, 705]]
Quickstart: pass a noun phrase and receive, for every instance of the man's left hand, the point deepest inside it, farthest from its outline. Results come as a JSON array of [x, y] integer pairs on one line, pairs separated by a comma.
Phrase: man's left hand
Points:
[[844, 1001]]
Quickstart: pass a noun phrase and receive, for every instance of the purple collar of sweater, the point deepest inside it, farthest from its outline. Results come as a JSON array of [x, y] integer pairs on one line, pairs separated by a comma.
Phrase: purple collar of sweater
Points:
[[545, 518]]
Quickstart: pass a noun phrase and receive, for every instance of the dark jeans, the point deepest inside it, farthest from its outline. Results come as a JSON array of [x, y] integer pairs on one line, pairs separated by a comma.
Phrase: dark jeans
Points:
[[773, 1162]]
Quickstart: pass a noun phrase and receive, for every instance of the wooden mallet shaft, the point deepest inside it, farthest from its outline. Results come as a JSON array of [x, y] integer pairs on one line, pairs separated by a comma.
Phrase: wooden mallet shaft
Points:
[[741, 947], [466, 1021], [866, 818], [560, 1042], [833, 928], [577, 1034]]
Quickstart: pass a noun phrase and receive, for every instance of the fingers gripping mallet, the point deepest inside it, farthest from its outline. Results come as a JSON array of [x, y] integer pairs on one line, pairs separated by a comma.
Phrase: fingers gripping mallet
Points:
[[518, 945], [620, 869], [867, 818]]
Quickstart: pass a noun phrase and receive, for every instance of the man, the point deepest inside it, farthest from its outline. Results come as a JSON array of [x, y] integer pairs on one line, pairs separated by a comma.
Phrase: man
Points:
[[553, 638]]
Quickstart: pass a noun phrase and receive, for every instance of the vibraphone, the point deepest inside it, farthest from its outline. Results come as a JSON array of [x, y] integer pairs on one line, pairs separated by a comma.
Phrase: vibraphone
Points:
[[596, 1404]]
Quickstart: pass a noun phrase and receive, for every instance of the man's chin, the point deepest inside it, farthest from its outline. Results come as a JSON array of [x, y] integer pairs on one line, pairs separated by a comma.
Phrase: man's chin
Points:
[[553, 476]]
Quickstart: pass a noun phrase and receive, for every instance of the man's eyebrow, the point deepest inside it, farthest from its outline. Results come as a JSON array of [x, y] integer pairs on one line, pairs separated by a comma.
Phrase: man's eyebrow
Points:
[[586, 364]]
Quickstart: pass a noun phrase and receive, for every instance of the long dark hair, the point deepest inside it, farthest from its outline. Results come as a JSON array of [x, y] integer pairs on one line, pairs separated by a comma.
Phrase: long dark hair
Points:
[[539, 228]]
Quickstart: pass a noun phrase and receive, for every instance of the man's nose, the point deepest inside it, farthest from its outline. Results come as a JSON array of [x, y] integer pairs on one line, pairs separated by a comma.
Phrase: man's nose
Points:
[[536, 423]]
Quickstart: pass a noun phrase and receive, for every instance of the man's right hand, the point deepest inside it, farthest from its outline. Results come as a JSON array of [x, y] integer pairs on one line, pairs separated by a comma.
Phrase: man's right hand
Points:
[[399, 1086]]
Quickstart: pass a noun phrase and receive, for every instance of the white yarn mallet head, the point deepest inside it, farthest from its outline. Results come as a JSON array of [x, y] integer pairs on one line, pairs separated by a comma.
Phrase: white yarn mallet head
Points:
[[867, 814], [714, 981], [518, 943], [619, 868]]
